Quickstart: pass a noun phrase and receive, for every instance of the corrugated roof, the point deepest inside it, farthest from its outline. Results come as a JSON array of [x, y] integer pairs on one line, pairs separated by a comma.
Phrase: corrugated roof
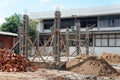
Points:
[[8, 34], [105, 10]]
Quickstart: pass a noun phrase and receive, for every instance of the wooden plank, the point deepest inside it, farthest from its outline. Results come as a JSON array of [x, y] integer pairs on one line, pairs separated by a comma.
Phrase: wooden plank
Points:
[[29, 40], [15, 45], [38, 53]]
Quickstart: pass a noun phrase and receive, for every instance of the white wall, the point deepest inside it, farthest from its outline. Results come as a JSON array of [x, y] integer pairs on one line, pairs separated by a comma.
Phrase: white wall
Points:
[[98, 50], [40, 27]]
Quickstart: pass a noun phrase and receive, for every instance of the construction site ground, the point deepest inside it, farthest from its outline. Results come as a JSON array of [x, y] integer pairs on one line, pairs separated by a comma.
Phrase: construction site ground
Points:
[[55, 74], [50, 74]]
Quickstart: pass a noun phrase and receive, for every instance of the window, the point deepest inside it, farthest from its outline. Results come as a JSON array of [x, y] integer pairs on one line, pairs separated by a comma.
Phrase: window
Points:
[[48, 23], [118, 36], [98, 36], [117, 42], [67, 23], [111, 36], [107, 40], [111, 42], [88, 21], [104, 42], [98, 42], [109, 21], [104, 21]]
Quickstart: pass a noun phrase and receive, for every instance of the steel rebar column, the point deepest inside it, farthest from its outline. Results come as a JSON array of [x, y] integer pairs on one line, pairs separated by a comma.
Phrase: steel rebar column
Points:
[[26, 31], [78, 37], [57, 36]]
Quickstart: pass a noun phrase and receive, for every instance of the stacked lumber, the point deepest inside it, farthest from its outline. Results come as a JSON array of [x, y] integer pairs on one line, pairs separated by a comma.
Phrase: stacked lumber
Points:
[[12, 62]]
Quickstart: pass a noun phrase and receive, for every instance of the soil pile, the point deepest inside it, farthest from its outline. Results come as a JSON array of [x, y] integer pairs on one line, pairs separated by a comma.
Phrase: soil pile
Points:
[[92, 65], [11, 62], [111, 58], [75, 61]]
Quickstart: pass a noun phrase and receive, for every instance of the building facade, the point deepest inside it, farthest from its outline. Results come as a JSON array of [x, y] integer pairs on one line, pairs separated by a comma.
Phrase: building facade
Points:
[[104, 36]]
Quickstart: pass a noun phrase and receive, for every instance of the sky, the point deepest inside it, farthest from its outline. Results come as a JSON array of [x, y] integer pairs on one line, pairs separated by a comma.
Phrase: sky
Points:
[[9, 7]]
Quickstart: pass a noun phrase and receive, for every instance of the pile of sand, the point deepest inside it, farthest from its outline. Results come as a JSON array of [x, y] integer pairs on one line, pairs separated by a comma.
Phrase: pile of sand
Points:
[[111, 58], [91, 66]]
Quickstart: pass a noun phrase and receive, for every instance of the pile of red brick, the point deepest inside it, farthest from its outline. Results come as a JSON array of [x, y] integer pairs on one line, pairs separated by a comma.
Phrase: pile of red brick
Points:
[[11, 62]]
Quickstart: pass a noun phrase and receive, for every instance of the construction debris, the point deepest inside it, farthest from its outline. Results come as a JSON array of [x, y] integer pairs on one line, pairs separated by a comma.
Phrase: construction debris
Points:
[[111, 57], [10, 62], [92, 65]]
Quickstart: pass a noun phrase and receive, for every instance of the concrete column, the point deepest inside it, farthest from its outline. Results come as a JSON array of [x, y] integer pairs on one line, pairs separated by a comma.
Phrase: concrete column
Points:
[[98, 27]]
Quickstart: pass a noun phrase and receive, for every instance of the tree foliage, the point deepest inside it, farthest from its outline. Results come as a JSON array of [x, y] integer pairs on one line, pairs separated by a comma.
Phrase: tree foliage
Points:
[[32, 29], [14, 21]]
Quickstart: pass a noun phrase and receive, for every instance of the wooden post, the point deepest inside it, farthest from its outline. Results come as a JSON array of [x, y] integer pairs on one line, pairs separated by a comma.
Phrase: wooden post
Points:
[[52, 42], [93, 37], [37, 43]]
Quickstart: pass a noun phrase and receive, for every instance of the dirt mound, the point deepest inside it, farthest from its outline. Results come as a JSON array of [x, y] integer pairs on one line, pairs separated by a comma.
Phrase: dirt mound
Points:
[[111, 57], [92, 65], [11, 62], [75, 61]]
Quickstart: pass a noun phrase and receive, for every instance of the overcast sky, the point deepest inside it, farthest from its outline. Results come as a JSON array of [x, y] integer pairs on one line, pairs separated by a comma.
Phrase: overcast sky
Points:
[[9, 7]]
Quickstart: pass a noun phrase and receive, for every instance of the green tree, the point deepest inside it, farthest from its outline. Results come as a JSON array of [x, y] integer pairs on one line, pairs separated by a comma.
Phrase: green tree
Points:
[[32, 29], [12, 23]]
